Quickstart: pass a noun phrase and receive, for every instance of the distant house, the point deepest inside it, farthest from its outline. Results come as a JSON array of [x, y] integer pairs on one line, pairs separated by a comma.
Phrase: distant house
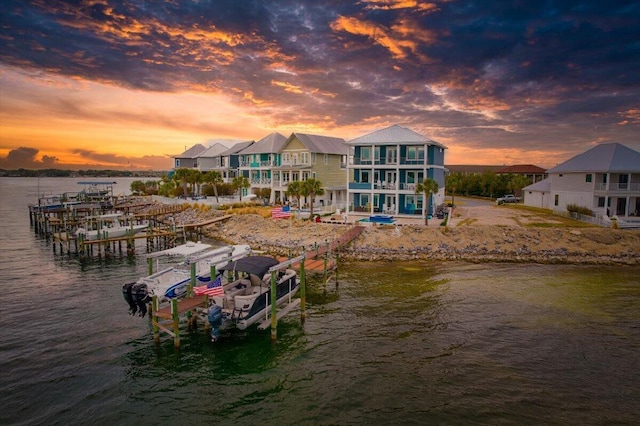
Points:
[[386, 167], [469, 169], [189, 157], [604, 179], [230, 161], [531, 172], [210, 158]]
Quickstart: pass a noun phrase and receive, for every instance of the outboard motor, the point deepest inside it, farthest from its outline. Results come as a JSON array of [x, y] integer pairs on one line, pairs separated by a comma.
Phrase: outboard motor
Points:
[[126, 292], [215, 320], [140, 297]]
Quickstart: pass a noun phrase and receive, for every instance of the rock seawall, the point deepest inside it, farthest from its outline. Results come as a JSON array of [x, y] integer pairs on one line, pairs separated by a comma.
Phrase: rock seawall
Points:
[[475, 243]]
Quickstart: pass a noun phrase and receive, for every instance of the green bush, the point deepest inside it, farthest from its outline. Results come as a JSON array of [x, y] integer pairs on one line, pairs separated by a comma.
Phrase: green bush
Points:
[[573, 208]]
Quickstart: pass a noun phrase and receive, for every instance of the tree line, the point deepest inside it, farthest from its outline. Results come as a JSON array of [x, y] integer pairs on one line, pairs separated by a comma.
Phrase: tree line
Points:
[[487, 184]]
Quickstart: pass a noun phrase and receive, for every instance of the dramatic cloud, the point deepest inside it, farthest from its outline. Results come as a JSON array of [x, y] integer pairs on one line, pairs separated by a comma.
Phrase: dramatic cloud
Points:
[[540, 80], [25, 158]]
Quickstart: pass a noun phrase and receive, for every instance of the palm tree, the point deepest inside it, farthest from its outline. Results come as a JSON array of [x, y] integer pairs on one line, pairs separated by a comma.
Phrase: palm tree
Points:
[[214, 178], [239, 183], [310, 188], [181, 177], [518, 182], [294, 190], [427, 187], [452, 183]]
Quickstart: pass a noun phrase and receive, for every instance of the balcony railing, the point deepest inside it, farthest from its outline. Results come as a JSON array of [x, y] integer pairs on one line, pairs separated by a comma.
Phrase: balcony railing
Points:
[[633, 187]]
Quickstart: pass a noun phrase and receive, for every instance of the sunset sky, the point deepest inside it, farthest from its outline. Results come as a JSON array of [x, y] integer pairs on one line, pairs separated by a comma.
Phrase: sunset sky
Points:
[[129, 84]]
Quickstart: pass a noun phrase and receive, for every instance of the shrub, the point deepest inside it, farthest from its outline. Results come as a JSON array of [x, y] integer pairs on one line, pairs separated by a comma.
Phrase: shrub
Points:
[[574, 208]]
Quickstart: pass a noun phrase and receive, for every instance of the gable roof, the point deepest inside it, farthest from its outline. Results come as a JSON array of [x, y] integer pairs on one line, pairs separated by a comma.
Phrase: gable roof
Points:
[[271, 143], [236, 148], [606, 157], [192, 152], [522, 168], [213, 151], [542, 186], [394, 135], [321, 144]]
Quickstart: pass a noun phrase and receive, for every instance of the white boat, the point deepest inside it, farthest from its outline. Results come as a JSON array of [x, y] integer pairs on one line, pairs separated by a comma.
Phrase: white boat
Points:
[[197, 259], [108, 226], [247, 300]]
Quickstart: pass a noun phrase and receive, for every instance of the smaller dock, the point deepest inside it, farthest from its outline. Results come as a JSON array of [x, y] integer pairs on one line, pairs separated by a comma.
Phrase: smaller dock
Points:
[[167, 318], [324, 258]]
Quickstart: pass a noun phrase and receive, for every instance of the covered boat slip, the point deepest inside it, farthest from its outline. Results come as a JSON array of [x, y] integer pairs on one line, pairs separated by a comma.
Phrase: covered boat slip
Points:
[[267, 269]]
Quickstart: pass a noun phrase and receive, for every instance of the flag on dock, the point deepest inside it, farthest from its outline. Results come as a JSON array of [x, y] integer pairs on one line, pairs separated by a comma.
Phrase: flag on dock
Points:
[[214, 288], [281, 212]]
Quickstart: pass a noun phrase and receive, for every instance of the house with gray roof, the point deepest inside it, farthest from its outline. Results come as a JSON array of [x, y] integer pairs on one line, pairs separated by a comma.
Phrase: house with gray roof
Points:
[[258, 160], [386, 166], [189, 157], [210, 158], [230, 161], [305, 156], [604, 179]]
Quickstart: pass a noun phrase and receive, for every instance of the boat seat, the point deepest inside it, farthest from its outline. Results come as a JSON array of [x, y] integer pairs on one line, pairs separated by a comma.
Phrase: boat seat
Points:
[[244, 302], [239, 287]]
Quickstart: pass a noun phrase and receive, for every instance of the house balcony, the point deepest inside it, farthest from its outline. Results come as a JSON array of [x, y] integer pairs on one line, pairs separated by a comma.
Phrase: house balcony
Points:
[[618, 187], [263, 182]]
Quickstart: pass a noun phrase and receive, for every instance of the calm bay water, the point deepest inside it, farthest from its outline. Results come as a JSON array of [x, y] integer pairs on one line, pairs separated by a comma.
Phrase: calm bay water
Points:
[[409, 343]]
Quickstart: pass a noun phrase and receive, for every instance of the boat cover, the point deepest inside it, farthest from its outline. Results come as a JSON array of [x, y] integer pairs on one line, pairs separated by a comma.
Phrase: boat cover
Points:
[[182, 250], [255, 265]]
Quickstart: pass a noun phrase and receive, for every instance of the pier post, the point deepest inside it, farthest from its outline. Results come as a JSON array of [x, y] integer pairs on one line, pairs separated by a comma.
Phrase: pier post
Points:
[[154, 321], [176, 323], [150, 266], [274, 311], [303, 291]]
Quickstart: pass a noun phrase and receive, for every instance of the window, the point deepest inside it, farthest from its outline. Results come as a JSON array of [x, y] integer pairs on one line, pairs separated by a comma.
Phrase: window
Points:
[[600, 201], [313, 158], [364, 178], [177, 162], [556, 199], [305, 158], [285, 158], [412, 153], [365, 154], [326, 159], [589, 177]]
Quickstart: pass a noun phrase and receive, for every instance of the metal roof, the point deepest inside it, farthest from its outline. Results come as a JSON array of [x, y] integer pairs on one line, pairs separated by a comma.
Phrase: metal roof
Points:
[[236, 148], [394, 135], [322, 144], [606, 157], [272, 143], [213, 151], [192, 152]]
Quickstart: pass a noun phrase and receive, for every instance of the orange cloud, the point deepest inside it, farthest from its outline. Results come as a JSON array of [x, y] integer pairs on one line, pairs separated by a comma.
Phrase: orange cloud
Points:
[[399, 4]]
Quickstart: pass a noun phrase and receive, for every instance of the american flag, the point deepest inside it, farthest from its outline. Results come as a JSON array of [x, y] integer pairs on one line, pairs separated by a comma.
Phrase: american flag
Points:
[[214, 288], [281, 212]]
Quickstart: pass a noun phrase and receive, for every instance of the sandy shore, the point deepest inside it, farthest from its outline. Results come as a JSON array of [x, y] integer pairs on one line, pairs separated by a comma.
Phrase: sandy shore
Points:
[[477, 232]]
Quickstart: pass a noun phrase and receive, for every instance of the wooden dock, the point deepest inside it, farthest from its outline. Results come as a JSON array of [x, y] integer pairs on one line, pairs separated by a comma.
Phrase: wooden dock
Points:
[[324, 258]]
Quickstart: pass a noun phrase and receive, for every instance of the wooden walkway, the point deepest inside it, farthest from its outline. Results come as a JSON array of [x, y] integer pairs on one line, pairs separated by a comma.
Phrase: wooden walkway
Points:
[[316, 260]]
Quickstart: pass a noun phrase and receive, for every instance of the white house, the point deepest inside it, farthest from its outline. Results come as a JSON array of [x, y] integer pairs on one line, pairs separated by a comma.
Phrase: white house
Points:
[[604, 179]]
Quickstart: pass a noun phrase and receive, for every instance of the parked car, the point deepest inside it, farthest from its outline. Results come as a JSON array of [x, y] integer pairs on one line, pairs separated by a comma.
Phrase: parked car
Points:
[[507, 199]]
